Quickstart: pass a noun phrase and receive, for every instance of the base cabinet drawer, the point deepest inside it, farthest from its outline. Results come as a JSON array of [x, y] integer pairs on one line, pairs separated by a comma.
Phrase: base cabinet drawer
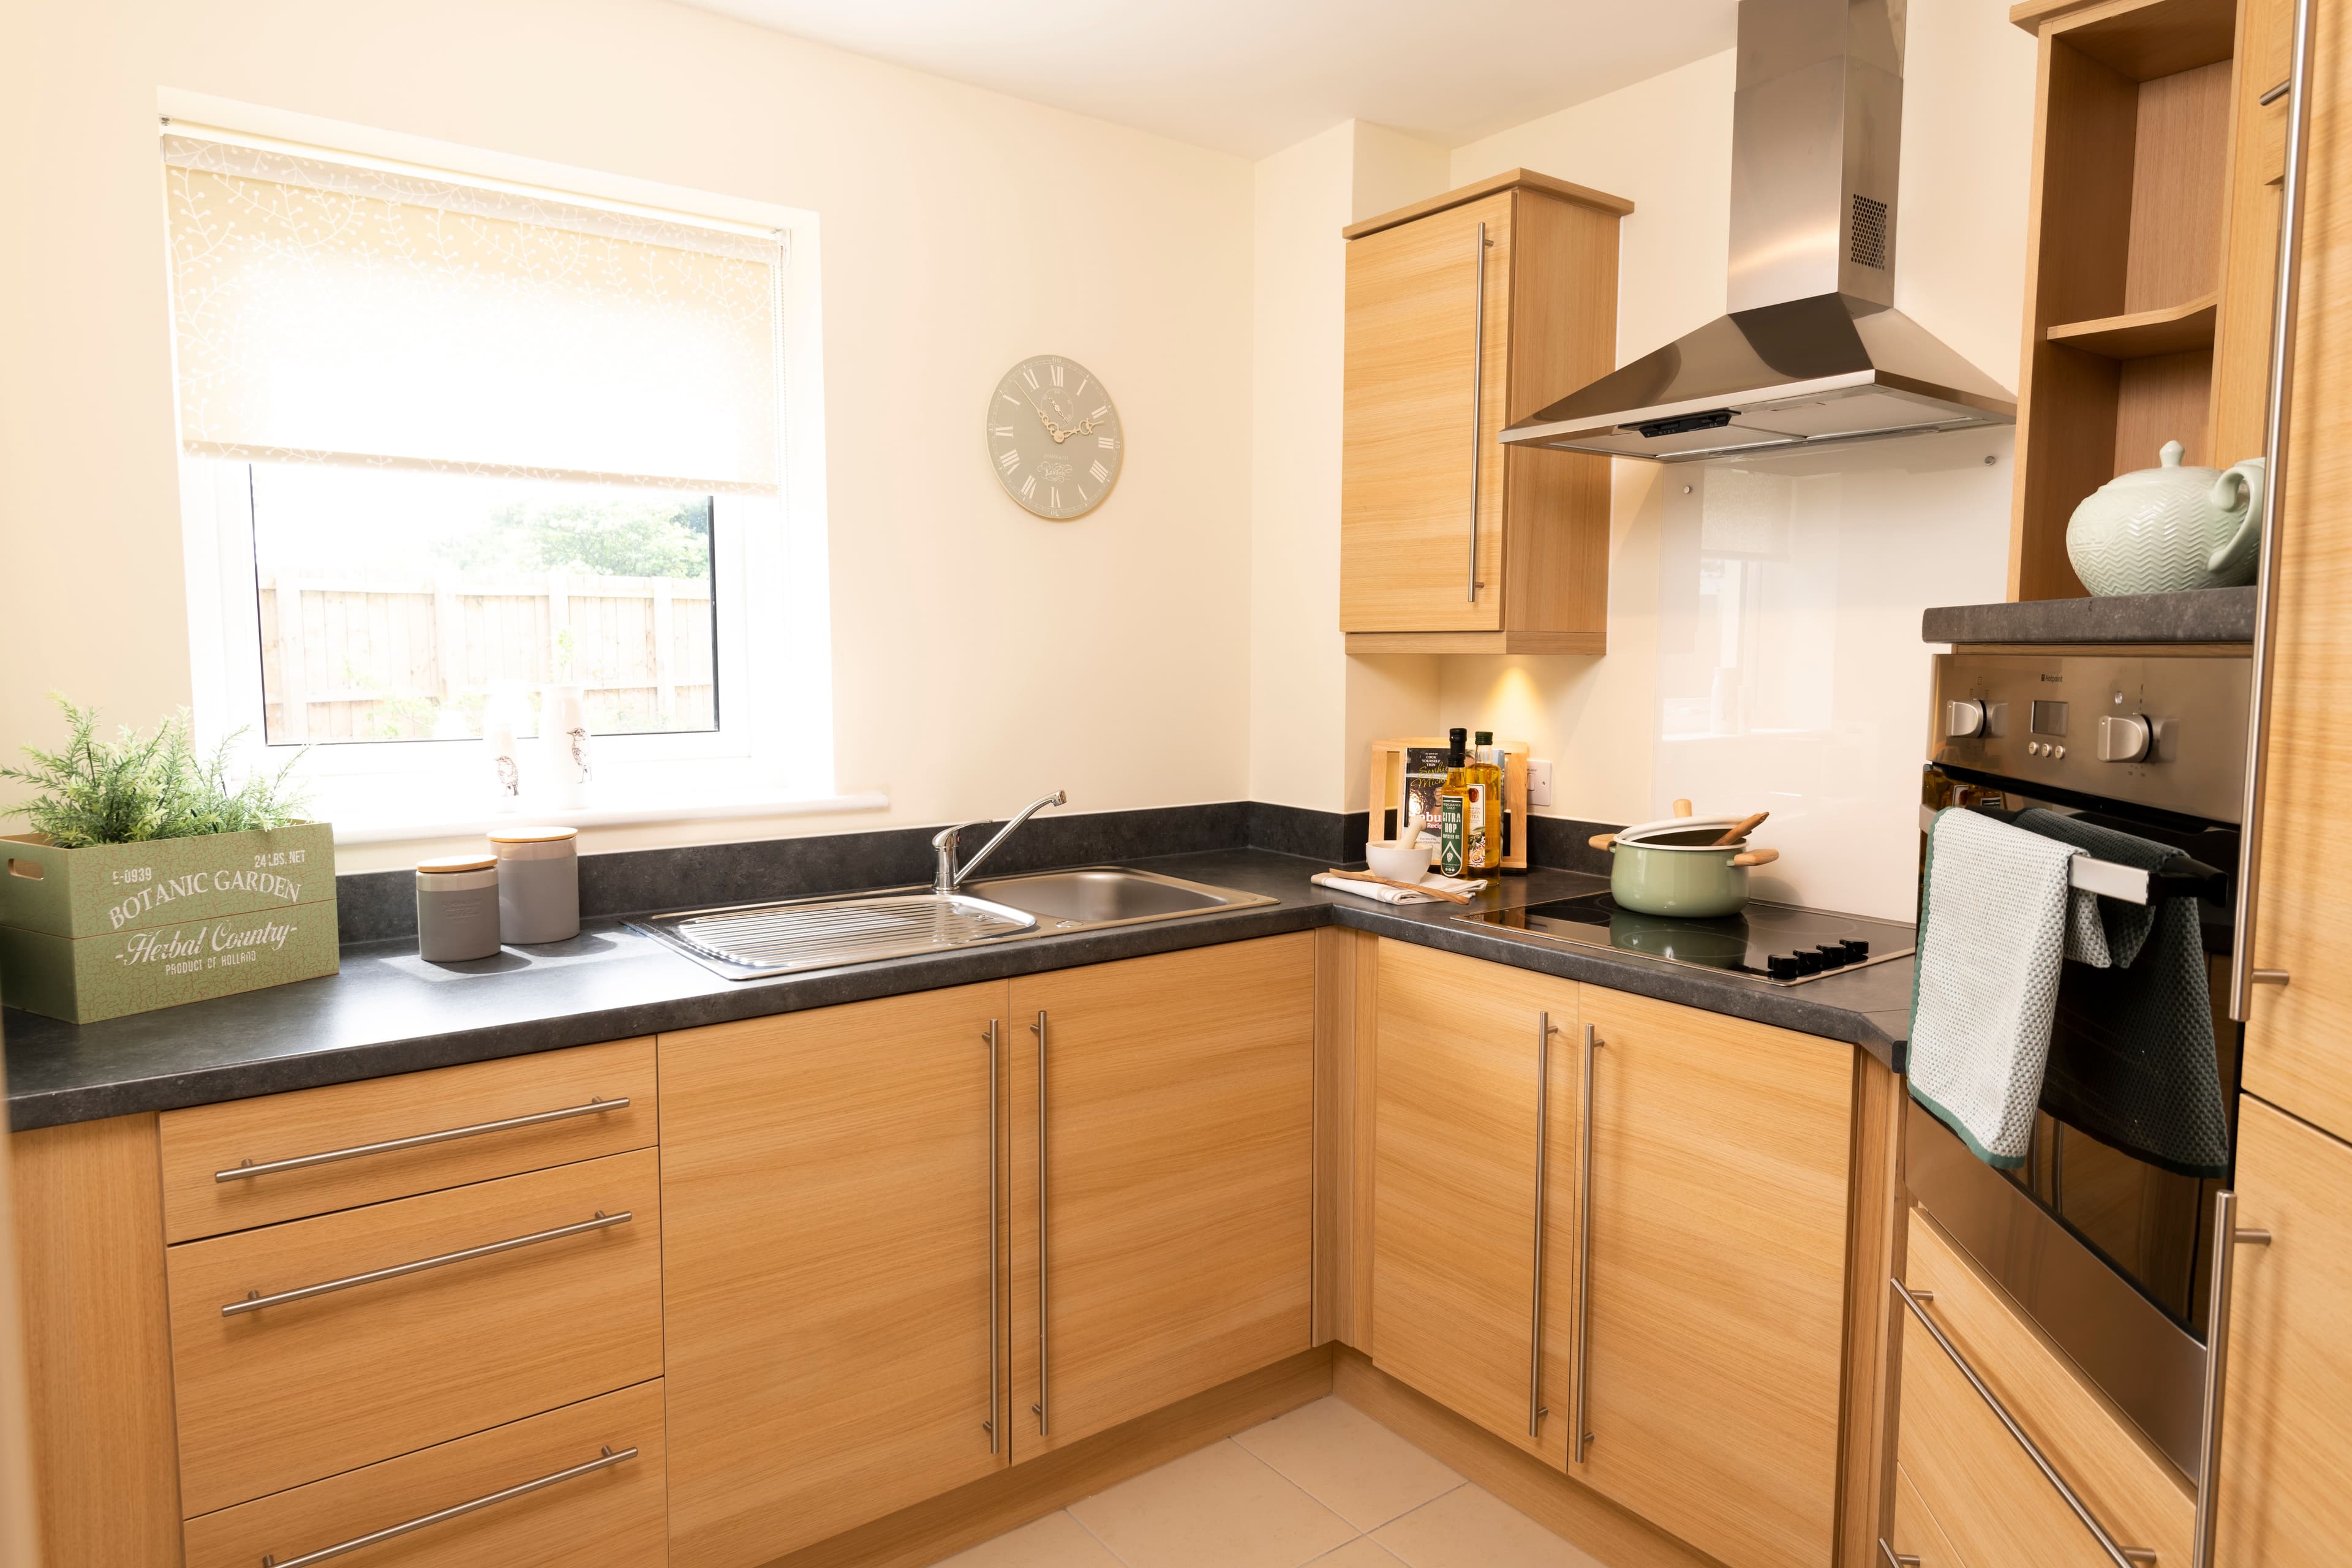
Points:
[[440, 1315], [308, 1151], [578, 1485], [1915, 1535], [1961, 1466]]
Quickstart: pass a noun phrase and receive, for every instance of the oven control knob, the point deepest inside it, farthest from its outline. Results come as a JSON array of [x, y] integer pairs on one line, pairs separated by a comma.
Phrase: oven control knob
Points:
[[1832, 954], [1963, 717], [2124, 737], [1857, 949], [1781, 966]]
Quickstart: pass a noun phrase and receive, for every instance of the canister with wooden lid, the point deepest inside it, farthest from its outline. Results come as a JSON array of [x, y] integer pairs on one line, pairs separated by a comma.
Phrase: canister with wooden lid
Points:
[[457, 908], [539, 883]]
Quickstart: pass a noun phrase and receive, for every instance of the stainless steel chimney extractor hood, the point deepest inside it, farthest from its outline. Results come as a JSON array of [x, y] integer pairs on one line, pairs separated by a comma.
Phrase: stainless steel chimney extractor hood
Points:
[[1813, 350]]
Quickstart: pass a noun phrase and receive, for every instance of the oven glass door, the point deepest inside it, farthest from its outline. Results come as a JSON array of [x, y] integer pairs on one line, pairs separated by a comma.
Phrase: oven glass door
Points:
[[2152, 1226]]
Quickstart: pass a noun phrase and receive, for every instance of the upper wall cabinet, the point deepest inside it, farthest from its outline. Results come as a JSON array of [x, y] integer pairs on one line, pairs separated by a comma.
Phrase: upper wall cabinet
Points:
[[1466, 312], [2153, 240]]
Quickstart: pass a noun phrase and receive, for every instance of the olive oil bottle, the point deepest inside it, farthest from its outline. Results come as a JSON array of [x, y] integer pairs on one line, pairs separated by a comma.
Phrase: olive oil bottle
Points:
[[1483, 808], [1453, 807]]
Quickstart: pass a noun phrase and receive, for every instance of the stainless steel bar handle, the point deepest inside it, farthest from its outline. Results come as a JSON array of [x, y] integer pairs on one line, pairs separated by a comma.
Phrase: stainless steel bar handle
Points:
[[995, 1330], [1897, 1559], [256, 1303], [2217, 1369], [2121, 1556], [604, 1462], [1044, 1403], [1477, 405], [1580, 1436], [1536, 1411], [2285, 297], [248, 1170]]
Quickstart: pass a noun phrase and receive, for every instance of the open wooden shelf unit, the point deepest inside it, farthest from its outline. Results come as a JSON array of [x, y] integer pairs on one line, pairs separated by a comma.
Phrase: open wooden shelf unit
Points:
[[2151, 243]]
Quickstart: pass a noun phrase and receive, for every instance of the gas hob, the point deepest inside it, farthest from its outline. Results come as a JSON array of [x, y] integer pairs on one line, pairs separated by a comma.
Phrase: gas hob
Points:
[[1773, 945]]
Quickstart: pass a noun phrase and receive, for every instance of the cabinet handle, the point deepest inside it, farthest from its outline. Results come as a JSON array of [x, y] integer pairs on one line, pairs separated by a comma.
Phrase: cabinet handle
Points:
[[2284, 298], [256, 1301], [1897, 1559], [604, 1461], [2217, 1367], [1040, 1407], [1477, 404], [996, 1333], [1536, 1411], [2121, 1556], [1578, 1436], [248, 1170]]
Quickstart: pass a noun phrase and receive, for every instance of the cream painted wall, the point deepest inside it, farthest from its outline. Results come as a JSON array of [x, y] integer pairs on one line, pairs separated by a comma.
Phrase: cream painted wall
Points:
[[1297, 660], [980, 655]]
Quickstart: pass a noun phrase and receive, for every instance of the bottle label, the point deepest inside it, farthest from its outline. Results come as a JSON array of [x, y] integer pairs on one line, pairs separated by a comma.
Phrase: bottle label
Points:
[[1474, 831], [1449, 840]]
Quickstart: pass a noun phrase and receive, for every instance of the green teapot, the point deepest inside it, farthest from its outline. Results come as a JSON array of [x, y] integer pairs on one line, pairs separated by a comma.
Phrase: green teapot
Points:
[[2160, 530]]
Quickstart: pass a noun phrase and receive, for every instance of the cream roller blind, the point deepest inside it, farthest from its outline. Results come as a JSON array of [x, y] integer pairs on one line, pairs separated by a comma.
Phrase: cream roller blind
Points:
[[374, 314]]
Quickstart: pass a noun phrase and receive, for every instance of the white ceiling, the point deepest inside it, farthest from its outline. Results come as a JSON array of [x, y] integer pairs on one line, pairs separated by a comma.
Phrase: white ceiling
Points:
[[1252, 77]]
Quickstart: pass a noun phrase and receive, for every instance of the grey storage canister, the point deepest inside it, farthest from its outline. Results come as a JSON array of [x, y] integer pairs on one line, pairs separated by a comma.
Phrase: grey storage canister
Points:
[[457, 908], [539, 883]]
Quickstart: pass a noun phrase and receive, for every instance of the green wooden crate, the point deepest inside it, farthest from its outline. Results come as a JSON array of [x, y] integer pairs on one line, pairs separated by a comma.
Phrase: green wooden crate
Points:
[[115, 929]]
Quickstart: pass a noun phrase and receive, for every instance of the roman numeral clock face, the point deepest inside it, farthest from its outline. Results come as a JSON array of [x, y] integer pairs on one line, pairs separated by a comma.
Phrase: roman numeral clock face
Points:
[[1054, 438]]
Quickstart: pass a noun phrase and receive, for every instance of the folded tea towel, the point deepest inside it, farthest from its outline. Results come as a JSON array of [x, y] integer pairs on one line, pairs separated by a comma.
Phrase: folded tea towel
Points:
[[1387, 895], [2133, 1062], [2105, 934], [1992, 938]]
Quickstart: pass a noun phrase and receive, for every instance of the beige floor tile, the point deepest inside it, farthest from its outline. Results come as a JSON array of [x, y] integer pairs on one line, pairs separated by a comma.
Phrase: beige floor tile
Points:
[[1471, 1528], [1361, 1553], [1056, 1541], [1219, 1508], [1348, 1462]]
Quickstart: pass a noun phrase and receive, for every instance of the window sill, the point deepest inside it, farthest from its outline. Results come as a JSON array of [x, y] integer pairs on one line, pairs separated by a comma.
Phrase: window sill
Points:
[[380, 828]]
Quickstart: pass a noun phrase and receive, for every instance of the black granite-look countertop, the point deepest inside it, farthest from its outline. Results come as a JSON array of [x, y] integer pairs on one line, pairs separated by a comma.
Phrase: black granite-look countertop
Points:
[[390, 1012], [2204, 614]]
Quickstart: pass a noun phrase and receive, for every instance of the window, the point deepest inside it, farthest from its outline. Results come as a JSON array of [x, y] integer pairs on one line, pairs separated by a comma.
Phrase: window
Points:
[[450, 438]]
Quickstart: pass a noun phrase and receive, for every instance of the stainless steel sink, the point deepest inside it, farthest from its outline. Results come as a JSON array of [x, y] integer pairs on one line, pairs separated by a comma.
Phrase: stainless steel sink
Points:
[[1108, 895], [747, 941]]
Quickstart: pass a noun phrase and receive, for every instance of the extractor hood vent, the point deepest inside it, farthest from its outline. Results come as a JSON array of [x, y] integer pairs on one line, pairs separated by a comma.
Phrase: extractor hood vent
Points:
[[1813, 351]]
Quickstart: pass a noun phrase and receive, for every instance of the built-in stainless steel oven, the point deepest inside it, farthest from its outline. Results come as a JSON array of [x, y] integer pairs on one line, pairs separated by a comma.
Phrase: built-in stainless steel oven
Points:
[[2110, 1254]]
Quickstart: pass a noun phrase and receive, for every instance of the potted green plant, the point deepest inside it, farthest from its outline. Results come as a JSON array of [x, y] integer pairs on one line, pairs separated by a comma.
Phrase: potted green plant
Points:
[[150, 878]]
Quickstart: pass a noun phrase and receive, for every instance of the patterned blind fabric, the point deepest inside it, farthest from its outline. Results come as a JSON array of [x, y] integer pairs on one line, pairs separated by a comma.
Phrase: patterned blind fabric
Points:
[[340, 312]]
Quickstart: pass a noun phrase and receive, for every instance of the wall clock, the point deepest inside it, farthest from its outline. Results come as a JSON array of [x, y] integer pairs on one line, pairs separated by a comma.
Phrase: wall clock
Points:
[[1054, 437]]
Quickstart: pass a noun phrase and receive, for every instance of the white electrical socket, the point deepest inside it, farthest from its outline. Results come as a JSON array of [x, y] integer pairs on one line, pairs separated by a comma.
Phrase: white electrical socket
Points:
[[1539, 781]]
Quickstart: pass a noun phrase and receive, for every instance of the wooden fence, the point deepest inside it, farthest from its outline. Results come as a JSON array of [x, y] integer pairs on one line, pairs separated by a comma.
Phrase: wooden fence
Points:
[[367, 659]]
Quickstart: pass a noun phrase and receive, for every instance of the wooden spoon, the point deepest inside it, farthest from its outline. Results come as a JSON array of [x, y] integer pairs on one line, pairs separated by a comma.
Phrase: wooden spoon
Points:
[[1408, 886], [1739, 830]]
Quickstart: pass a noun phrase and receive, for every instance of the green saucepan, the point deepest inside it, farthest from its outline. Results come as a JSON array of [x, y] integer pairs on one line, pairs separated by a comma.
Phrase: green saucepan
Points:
[[1674, 868]]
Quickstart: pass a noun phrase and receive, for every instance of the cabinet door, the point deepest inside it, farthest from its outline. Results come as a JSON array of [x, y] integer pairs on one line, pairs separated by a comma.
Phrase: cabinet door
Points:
[[1175, 1185], [829, 1272], [1409, 447], [2298, 1047], [1717, 1309], [1454, 1254], [2289, 1413]]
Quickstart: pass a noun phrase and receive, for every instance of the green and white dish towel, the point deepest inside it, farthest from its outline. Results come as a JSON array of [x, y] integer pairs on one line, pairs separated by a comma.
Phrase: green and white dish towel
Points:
[[1992, 940]]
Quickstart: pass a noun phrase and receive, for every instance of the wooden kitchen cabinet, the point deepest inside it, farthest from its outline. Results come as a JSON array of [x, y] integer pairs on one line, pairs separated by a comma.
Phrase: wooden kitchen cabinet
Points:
[[1715, 1313], [1979, 1485], [1458, 1175], [2296, 1053], [1464, 313], [2288, 1411], [831, 1283], [1163, 1147], [564, 1304]]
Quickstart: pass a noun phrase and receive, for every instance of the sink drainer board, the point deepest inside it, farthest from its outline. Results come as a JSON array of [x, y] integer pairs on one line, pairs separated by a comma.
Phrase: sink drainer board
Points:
[[777, 940], [748, 942]]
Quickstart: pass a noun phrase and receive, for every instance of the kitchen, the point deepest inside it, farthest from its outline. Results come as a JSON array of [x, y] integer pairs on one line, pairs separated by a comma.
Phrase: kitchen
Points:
[[1357, 1215]]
